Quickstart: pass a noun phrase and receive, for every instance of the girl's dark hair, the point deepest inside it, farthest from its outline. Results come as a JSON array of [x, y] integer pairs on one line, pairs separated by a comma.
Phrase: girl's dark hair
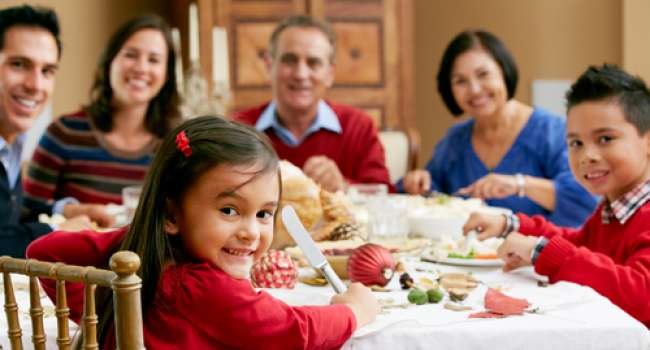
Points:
[[162, 112], [469, 40], [213, 141], [609, 82]]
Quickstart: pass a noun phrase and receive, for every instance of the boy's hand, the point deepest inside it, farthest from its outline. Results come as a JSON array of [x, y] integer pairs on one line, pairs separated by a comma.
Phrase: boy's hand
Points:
[[417, 182], [77, 223], [486, 225], [516, 251], [360, 299]]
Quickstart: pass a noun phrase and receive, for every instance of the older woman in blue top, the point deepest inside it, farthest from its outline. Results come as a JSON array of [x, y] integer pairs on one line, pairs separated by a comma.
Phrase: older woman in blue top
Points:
[[510, 154]]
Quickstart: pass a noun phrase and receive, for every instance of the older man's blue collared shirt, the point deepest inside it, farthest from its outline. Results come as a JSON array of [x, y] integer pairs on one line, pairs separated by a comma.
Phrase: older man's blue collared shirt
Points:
[[10, 158], [325, 119]]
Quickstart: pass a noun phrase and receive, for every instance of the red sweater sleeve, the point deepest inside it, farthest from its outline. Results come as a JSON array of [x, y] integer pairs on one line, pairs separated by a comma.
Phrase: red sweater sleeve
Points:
[[254, 320], [538, 225], [613, 259], [85, 248], [626, 284]]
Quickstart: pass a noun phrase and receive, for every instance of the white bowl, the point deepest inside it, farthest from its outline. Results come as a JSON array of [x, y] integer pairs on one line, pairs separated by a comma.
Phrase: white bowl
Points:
[[436, 227]]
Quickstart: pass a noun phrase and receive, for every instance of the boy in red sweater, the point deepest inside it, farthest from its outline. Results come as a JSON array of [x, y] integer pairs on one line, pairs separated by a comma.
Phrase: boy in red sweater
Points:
[[608, 124]]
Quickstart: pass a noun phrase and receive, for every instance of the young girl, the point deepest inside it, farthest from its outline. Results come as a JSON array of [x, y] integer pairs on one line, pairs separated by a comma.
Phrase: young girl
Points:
[[85, 159], [206, 213]]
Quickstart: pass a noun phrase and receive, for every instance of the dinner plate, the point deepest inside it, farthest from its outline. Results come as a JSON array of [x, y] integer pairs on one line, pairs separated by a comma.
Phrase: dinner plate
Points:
[[466, 262]]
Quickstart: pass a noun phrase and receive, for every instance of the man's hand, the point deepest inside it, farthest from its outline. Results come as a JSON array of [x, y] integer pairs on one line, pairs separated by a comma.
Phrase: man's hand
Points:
[[95, 212], [325, 172], [516, 251], [417, 182]]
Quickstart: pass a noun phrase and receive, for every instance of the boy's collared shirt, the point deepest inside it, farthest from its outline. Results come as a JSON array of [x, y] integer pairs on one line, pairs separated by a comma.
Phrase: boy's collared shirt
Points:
[[10, 155], [624, 207], [325, 119]]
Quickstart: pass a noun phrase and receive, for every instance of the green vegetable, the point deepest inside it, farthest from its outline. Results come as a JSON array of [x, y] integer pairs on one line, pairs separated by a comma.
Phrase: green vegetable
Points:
[[442, 198], [417, 296], [435, 295], [454, 255]]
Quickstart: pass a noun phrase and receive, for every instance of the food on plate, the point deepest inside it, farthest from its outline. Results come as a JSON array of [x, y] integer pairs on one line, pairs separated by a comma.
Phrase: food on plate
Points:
[[449, 248], [274, 270], [371, 264], [453, 306], [457, 294], [457, 280], [346, 231], [321, 212]]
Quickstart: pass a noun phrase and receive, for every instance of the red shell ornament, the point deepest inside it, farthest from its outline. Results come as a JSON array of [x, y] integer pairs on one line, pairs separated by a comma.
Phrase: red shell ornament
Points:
[[274, 270], [371, 264]]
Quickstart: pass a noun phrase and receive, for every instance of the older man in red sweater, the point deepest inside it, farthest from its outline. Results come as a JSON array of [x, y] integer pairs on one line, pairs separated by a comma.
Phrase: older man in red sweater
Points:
[[333, 143]]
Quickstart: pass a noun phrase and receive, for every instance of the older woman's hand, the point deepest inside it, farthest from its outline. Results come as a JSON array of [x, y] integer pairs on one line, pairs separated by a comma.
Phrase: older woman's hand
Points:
[[417, 182], [492, 186]]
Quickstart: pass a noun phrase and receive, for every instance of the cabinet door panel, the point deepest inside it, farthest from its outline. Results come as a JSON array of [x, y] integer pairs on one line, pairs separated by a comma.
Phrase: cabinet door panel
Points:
[[251, 41], [358, 53]]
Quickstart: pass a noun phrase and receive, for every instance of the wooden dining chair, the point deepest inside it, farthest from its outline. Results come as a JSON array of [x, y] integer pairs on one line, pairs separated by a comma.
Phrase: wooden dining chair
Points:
[[122, 279], [401, 147]]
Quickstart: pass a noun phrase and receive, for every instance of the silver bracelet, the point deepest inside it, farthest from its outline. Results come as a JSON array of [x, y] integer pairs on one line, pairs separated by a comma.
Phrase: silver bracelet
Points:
[[521, 185]]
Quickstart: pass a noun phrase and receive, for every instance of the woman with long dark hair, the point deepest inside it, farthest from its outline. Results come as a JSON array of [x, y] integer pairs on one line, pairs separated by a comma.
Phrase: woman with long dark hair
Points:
[[85, 159]]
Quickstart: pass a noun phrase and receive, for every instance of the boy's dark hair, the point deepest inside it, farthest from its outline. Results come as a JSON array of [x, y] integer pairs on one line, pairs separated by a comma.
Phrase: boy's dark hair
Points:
[[302, 21], [469, 40], [609, 82], [29, 16], [162, 112], [213, 141]]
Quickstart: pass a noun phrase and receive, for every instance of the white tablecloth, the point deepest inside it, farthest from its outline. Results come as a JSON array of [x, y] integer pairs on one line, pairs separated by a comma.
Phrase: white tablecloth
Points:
[[574, 317]]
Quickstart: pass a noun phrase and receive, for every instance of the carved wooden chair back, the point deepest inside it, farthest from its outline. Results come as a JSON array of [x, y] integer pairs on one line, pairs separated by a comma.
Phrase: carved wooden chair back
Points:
[[122, 279]]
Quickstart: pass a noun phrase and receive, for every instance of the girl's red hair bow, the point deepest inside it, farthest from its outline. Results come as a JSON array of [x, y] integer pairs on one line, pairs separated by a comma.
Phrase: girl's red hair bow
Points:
[[183, 144]]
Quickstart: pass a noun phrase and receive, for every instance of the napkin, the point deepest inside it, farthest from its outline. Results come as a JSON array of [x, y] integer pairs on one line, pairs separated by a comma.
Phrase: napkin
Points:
[[499, 305]]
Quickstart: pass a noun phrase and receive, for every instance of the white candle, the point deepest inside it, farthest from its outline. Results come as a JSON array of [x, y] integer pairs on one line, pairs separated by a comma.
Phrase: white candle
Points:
[[194, 33], [176, 40], [220, 65]]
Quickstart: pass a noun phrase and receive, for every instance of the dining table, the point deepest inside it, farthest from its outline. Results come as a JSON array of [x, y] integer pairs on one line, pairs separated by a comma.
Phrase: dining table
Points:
[[563, 315]]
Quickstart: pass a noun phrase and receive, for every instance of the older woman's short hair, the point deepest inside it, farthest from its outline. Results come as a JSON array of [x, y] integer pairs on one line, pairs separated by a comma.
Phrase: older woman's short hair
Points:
[[469, 40]]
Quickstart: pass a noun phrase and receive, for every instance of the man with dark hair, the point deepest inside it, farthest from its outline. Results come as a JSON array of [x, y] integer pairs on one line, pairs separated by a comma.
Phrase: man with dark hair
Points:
[[29, 55], [334, 144]]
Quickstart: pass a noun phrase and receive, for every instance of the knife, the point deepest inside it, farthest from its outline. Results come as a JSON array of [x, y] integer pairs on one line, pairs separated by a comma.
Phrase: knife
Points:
[[306, 243]]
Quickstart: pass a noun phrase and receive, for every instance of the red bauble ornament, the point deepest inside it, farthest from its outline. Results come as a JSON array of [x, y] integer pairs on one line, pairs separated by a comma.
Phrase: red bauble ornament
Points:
[[274, 270], [371, 264]]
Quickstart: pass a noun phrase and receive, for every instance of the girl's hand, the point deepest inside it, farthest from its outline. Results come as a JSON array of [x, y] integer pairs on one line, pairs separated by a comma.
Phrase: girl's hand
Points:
[[486, 225], [492, 186], [516, 251], [360, 299], [417, 182]]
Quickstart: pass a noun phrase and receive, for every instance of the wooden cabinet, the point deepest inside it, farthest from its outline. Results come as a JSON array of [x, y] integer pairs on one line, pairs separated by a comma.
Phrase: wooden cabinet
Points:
[[374, 53]]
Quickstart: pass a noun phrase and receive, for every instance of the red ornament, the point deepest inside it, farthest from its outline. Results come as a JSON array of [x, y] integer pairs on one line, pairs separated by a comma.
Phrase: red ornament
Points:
[[371, 264], [274, 270]]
